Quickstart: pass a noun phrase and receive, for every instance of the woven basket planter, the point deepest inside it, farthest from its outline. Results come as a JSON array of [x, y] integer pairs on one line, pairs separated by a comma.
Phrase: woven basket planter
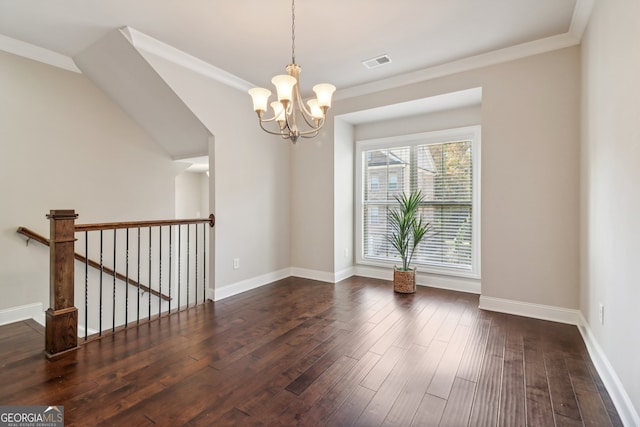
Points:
[[404, 282]]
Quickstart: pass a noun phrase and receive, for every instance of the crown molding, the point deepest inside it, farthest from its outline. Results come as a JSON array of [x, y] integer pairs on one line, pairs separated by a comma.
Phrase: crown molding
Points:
[[471, 63], [145, 43], [37, 53]]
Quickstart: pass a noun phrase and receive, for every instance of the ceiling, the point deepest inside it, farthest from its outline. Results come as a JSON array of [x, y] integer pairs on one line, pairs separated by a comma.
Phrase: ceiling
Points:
[[251, 39]]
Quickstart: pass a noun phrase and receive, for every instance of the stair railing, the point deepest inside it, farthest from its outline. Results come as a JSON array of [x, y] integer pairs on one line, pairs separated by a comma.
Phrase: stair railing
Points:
[[169, 252]]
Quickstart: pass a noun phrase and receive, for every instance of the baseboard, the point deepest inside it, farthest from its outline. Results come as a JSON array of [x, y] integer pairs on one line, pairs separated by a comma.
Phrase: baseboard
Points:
[[90, 331], [621, 399], [256, 282], [526, 309], [459, 284], [343, 274], [322, 276], [16, 314], [248, 284]]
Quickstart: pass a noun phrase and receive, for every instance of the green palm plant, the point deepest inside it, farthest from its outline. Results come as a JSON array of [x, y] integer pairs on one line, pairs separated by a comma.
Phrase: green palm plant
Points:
[[408, 228]]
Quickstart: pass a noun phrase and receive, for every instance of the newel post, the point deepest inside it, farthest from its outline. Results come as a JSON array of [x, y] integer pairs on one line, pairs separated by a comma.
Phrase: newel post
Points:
[[61, 330]]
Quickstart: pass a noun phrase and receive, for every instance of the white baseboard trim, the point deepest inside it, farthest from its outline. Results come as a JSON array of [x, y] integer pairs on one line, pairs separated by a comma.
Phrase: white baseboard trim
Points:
[[343, 274], [621, 399], [248, 284], [526, 309], [90, 331], [322, 276], [256, 282], [459, 284], [33, 311]]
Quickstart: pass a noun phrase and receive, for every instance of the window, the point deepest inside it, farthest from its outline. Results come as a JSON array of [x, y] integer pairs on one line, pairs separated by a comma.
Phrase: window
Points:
[[445, 166], [374, 183], [393, 182]]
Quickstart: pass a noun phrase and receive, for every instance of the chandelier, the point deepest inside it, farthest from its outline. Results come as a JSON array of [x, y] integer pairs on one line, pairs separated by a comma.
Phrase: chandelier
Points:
[[293, 118]]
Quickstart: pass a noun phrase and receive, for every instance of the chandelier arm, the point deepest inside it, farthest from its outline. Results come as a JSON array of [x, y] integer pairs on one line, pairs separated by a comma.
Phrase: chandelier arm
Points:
[[290, 113], [305, 113], [312, 130], [311, 135], [269, 119], [284, 135], [311, 125], [301, 103]]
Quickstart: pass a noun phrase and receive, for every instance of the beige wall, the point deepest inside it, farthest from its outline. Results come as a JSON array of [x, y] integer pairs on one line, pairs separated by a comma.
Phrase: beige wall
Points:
[[610, 187], [312, 208], [192, 195], [251, 174], [530, 151], [65, 145]]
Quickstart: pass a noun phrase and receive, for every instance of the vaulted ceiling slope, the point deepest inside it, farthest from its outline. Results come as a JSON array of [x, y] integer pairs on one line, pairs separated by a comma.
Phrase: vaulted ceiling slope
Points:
[[252, 39], [115, 66]]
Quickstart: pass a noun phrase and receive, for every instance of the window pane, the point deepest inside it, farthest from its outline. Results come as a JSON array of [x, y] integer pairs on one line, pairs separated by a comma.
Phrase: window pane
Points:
[[443, 172]]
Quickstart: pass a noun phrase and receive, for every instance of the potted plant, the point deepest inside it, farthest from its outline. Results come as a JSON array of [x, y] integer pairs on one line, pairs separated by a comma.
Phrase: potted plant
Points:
[[408, 228]]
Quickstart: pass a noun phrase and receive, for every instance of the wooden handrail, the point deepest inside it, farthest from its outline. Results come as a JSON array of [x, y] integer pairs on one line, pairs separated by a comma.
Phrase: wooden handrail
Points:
[[32, 235], [211, 220]]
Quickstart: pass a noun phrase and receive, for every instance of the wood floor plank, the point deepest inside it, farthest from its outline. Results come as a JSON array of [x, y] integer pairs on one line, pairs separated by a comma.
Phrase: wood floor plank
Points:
[[391, 388], [350, 410], [429, 412], [299, 408], [307, 353], [471, 362], [538, 400], [448, 367], [381, 370], [512, 397], [431, 328], [456, 412], [606, 399], [563, 399], [591, 405], [487, 398], [406, 405], [337, 395], [412, 329]]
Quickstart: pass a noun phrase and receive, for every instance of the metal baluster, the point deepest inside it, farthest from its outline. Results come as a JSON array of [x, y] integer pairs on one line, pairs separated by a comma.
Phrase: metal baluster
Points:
[[160, 271], [138, 311], [113, 313], [126, 287], [204, 263], [179, 263], [86, 284], [188, 264], [149, 293], [195, 293], [170, 262], [101, 271]]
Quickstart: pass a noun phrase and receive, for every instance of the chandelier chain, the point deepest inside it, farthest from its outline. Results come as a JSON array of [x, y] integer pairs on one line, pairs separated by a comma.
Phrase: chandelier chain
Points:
[[293, 31]]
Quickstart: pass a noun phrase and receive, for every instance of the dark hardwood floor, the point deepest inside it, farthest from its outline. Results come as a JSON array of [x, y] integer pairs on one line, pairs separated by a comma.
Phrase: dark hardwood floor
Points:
[[300, 352]]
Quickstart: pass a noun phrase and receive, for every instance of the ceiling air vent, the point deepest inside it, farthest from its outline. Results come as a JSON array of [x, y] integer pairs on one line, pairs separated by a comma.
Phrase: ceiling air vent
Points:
[[377, 61]]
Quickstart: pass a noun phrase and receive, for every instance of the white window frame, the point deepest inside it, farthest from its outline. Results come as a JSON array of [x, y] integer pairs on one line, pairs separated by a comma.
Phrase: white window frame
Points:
[[472, 133]]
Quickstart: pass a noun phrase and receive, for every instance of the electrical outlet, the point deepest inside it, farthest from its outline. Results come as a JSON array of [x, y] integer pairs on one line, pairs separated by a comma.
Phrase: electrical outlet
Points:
[[236, 263], [601, 313], [346, 252]]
